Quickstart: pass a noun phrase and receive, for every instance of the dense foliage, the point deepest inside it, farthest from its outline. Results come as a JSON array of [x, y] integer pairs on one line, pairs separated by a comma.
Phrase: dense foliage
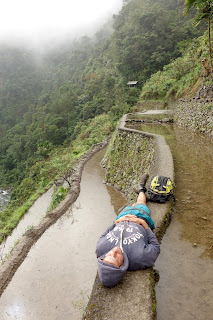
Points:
[[204, 11], [183, 76], [146, 36]]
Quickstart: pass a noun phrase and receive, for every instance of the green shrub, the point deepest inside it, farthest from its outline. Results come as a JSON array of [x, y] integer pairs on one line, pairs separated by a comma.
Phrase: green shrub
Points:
[[58, 196]]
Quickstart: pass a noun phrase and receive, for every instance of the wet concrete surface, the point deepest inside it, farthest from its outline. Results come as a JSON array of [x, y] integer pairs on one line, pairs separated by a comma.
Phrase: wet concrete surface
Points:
[[185, 289], [56, 278], [30, 219]]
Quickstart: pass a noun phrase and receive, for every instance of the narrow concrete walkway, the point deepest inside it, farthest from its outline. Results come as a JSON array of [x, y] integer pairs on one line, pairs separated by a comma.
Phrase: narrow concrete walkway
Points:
[[156, 112], [132, 298]]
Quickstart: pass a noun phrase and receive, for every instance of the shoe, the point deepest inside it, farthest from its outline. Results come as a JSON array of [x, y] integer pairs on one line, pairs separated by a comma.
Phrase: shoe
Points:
[[141, 186]]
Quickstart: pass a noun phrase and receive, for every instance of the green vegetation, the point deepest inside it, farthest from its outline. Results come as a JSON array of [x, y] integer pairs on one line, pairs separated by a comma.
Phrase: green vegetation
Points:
[[204, 11], [186, 74], [152, 287], [182, 76], [146, 36], [57, 197]]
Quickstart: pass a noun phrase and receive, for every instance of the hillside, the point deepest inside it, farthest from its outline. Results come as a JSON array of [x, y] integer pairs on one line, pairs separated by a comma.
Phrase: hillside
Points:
[[183, 76]]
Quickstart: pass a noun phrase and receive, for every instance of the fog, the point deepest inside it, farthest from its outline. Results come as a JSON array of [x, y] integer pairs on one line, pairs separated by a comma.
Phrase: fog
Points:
[[42, 22]]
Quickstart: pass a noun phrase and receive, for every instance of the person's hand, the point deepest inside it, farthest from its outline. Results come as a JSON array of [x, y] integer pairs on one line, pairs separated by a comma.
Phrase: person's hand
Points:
[[132, 218], [137, 220], [121, 219]]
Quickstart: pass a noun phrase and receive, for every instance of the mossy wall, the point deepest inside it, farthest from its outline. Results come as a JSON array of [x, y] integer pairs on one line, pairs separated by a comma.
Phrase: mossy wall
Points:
[[130, 156]]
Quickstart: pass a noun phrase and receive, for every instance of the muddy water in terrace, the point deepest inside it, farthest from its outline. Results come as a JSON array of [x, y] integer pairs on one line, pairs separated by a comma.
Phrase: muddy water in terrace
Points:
[[185, 289], [56, 278], [4, 198], [31, 218]]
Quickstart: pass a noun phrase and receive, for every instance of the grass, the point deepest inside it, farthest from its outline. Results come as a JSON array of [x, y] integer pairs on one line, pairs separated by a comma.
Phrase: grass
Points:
[[182, 77], [57, 196]]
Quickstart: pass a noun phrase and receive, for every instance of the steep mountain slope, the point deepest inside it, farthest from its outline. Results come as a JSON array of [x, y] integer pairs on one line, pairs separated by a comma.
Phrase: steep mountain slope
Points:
[[184, 75]]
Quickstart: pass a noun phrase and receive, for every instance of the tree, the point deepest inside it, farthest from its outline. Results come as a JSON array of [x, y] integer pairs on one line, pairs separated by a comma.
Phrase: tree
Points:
[[204, 10]]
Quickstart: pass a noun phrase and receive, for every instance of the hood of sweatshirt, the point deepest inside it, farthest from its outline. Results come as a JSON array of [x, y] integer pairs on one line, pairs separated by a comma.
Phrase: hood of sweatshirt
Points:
[[109, 274]]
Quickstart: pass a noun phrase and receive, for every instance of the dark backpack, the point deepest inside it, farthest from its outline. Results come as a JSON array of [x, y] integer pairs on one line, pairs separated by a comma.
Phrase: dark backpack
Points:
[[161, 189]]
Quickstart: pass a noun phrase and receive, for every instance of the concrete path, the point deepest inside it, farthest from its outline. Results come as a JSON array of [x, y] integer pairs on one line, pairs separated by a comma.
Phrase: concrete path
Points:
[[156, 112]]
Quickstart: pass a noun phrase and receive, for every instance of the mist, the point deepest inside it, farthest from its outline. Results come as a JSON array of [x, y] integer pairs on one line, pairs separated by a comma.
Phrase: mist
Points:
[[44, 23]]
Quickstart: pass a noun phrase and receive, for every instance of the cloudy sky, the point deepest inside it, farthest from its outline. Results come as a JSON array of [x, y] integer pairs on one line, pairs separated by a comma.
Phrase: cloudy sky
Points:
[[38, 20]]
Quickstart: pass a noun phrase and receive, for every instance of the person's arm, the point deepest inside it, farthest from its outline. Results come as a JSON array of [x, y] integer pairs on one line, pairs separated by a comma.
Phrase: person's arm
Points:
[[151, 250]]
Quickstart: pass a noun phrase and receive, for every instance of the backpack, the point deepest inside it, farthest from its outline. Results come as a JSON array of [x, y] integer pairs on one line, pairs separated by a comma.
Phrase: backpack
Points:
[[161, 189]]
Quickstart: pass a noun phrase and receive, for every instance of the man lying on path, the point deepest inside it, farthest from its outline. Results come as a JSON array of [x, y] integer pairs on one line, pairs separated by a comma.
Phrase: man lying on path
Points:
[[129, 243]]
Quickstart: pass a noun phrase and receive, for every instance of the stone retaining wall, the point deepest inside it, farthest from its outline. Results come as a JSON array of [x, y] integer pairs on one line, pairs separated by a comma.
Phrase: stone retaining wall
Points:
[[196, 114], [130, 156]]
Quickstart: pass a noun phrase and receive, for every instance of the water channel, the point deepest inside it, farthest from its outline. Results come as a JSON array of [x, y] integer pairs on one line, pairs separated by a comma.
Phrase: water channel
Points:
[[185, 288], [31, 218], [52, 283]]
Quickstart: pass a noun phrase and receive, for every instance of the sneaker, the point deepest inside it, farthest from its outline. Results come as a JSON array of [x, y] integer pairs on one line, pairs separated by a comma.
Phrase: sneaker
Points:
[[141, 186]]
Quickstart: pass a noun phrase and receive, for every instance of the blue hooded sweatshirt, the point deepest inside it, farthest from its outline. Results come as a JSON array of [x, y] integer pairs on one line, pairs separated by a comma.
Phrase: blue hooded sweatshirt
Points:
[[140, 248]]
